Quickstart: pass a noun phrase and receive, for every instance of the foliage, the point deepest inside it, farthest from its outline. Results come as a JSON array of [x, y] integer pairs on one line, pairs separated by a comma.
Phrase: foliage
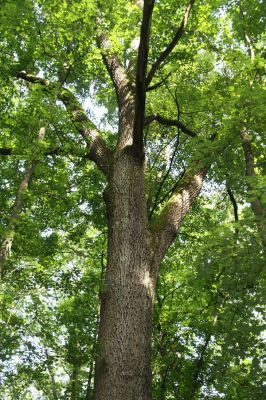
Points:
[[208, 315]]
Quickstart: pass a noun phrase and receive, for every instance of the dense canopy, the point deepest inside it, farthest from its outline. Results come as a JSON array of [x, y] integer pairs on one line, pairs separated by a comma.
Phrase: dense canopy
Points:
[[69, 70]]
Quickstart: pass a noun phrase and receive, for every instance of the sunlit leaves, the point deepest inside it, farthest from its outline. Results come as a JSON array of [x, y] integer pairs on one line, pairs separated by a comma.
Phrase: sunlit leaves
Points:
[[209, 303]]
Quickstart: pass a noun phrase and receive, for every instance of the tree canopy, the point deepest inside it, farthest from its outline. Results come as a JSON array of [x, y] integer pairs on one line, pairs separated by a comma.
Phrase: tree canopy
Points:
[[62, 68]]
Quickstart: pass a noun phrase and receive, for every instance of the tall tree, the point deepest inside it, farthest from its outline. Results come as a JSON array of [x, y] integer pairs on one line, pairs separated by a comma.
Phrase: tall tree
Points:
[[162, 72]]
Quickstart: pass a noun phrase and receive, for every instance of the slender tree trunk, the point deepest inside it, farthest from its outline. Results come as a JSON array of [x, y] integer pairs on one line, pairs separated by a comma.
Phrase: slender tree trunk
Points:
[[53, 383], [196, 381], [256, 204], [123, 365], [74, 383], [90, 375], [7, 240], [6, 245]]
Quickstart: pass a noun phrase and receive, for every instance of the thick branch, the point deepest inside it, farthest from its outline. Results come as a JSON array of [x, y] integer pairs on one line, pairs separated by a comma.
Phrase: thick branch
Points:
[[98, 151], [116, 70], [167, 224], [32, 78], [141, 75], [124, 92], [170, 122], [169, 221], [165, 53]]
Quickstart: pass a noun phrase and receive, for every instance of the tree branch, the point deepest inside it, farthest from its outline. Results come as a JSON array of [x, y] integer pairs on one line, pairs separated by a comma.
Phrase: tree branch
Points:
[[158, 84], [142, 62], [97, 149], [116, 70], [31, 78], [124, 92], [235, 206], [169, 122], [157, 201], [166, 226], [169, 221], [233, 202], [165, 53]]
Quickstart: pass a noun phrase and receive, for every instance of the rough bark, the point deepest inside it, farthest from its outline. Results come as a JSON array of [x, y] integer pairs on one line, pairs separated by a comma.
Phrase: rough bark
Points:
[[124, 93], [123, 363], [168, 223], [123, 369], [97, 149]]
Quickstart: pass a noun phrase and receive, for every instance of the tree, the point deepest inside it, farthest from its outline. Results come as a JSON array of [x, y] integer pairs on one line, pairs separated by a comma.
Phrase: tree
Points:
[[173, 92]]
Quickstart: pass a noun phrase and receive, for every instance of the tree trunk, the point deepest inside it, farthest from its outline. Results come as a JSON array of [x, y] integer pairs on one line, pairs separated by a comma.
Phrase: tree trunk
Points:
[[123, 364], [7, 241], [6, 244], [256, 204], [74, 383]]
